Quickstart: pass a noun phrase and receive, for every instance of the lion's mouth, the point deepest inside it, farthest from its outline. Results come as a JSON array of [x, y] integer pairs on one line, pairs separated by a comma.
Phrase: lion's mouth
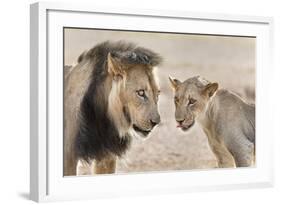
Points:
[[144, 132]]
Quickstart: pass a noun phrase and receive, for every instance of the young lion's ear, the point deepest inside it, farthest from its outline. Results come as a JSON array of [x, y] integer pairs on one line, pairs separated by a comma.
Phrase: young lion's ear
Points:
[[210, 89], [114, 66], [174, 82]]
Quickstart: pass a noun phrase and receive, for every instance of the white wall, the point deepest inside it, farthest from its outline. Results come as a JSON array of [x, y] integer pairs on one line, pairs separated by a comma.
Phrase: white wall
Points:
[[14, 102]]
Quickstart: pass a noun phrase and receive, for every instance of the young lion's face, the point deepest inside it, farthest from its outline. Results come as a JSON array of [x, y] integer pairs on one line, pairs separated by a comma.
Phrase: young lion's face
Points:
[[191, 98]]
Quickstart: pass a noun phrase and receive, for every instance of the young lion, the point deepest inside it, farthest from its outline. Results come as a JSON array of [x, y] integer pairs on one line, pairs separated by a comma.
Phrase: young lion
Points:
[[227, 120]]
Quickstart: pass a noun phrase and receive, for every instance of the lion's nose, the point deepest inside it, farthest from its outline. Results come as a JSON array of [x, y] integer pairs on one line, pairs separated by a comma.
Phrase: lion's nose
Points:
[[155, 121]]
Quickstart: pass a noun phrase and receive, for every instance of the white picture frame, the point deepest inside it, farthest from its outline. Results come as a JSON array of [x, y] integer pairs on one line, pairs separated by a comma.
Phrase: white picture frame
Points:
[[46, 179]]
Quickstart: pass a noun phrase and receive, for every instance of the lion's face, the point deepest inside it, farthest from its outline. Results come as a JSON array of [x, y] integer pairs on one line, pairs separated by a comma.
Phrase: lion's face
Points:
[[191, 98], [133, 98], [140, 97]]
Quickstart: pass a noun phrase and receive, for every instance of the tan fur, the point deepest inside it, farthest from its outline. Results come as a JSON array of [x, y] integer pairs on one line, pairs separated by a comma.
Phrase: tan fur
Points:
[[115, 107], [227, 120], [75, 84]]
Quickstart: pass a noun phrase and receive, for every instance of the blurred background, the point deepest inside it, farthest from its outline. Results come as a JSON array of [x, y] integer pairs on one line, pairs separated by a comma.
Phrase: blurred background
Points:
[[228, 60]]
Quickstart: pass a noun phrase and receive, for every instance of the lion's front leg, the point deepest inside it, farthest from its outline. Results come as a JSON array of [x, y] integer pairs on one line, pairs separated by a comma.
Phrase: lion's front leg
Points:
[[105, 166], [83, 168]]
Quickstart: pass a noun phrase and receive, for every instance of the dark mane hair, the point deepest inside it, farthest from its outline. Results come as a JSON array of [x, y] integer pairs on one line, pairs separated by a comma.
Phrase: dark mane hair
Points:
[[127, 53], [97, 135]]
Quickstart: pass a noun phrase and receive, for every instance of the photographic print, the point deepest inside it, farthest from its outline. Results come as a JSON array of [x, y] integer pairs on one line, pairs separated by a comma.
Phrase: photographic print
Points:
[[140, 101]]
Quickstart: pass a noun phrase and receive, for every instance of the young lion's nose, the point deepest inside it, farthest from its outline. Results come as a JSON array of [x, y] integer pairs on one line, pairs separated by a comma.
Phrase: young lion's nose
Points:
[[180, 121]]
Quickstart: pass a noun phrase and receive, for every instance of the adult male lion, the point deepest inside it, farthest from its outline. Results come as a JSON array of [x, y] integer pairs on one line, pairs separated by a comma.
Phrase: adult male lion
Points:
[[227, 120], [110, 96]]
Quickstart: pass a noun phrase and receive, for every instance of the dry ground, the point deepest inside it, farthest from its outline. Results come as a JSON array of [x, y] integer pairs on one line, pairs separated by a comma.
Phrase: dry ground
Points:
[[230, 61]]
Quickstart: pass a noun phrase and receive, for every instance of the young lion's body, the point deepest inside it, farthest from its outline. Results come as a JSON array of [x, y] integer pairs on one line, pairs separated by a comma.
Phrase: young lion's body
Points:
[[227, 120], [229, 123]]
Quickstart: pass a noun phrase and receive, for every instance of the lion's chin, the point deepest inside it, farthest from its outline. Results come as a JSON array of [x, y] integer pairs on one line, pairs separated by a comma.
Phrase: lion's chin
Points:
[[142, 136], [138, 132]]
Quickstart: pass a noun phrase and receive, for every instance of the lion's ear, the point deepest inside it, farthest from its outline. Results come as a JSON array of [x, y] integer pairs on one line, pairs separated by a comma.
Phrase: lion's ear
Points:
[[174, 82], [114, 66], [210, 89]]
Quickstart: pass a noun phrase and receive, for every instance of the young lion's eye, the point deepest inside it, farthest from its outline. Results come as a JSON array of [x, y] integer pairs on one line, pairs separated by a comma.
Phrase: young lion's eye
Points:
[[176, 99], [191, 101], [140, 93]]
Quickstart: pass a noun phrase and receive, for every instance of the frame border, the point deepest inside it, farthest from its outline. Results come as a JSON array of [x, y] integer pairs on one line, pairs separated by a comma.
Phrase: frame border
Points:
[[39, 76]]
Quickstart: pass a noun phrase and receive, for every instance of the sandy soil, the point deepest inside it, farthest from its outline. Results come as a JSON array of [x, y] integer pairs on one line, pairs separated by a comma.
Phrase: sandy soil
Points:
[[230, 61]]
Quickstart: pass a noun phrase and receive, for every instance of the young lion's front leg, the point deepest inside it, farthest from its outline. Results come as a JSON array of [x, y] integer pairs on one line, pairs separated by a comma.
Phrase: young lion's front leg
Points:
[[105, 166], [224, 157], [243, 152]]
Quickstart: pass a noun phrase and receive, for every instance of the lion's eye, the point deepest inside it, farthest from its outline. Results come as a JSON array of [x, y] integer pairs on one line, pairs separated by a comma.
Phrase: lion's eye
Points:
[[176, 99], [191, 101], [141, 93]]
